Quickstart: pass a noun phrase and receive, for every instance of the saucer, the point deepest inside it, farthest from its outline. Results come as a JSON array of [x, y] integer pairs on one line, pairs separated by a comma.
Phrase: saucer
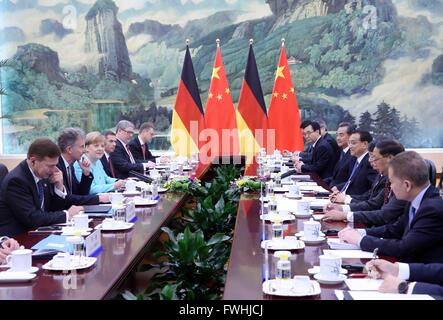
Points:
[[116, 227], [32, 270], [272, 287], [281, 216], [281, 189], [162, 190], [289, 243], [16, 276], [318, 240], [316, 269], [144, 202], [322, 280], [294, 196], [303, 215], [70, 231], [302, 233], [131, 193], [87, 262]]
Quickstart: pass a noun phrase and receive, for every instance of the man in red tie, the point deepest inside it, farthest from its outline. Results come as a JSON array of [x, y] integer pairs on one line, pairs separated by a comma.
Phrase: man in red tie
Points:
[[139, 145], [122, 158]]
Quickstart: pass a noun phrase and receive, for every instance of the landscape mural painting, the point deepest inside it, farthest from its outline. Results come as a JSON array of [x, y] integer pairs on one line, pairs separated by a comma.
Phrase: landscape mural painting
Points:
[[89, 63]]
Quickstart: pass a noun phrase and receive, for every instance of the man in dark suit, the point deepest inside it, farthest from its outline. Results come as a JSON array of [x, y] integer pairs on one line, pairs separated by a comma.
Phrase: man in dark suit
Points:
[[424, 278], [71, 142], [325, 135], [382, 207], [28, 192], [340, 173], [122, 157], [139, 146], [110, 143], [417, 236], [322, 154], [360, 175]]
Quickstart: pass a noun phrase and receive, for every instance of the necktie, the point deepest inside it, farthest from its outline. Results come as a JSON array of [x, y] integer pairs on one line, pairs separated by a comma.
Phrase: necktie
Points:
[[69, 177], [41, 193], [130, 154], [411, 214], [111, 167], [354, 169], [387, 192], [342, 155], [144, 151]]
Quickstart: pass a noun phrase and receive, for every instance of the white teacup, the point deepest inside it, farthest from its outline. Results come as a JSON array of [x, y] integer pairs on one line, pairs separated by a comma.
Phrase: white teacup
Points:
[[130, 185], [294, 190], [311, 230], [303, 207], [81, 221], [61, 260], [116, 198], [20, 260], [330, 266]]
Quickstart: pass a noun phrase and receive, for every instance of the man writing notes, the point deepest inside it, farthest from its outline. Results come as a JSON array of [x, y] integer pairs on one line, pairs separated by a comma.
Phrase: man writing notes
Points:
[[417, 235]]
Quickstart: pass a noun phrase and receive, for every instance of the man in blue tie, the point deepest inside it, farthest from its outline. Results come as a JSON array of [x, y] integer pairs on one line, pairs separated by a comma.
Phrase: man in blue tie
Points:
[[417, 235]]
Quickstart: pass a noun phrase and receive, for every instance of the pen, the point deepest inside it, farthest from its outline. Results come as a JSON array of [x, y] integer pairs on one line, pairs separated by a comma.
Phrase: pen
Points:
[[358, 275]]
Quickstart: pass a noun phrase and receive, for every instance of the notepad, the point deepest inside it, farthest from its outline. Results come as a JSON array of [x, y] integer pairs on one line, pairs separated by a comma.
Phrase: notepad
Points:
[[357, 254], [366, 284], [374, 295], [337, 244]]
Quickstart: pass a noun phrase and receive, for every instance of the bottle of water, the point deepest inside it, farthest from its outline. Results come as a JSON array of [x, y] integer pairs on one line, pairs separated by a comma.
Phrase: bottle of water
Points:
[[283, 269], [154, 189], [277, 180]]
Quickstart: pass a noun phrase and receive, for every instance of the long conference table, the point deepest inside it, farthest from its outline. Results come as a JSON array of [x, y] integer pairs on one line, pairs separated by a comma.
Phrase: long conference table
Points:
[[122, 253], [247, 261]]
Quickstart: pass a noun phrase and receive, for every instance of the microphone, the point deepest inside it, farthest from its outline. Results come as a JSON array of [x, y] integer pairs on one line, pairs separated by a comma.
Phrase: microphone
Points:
[[142, 177], [288, 173]]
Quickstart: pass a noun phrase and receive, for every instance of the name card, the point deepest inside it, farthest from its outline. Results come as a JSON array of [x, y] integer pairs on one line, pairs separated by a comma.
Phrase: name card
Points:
[[93, 244], [130, 212]]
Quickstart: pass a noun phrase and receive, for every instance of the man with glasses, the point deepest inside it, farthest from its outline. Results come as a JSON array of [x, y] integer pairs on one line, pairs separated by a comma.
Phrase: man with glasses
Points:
[[382, 206], [71, 142], [323, 157], [122, 158]]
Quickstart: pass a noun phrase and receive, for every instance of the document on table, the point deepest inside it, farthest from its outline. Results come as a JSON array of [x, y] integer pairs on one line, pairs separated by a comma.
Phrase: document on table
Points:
[[357, 254], [337, 244], [374, 295], [366, 284], [313, 188], [318, 202]]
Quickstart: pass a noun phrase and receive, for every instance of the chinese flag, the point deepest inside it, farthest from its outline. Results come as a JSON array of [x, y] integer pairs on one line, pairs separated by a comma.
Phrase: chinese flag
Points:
[[187, 118], [220, 135], [251, 114], [283, 115]]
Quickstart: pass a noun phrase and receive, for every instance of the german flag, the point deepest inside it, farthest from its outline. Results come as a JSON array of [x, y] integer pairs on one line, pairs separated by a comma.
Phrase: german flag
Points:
[[187, 118], [251, 114]]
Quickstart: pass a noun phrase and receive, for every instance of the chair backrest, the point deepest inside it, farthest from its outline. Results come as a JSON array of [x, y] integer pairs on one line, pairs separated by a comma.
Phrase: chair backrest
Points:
[[432, 172], [3, 172]]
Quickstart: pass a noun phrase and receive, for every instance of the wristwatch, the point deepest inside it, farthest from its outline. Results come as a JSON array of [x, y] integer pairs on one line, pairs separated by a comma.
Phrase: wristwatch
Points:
[[403, 287]]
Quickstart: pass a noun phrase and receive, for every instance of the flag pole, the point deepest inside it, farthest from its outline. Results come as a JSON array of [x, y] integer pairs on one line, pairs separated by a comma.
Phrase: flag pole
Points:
[[218, 43], [283, 42], [251, 41]]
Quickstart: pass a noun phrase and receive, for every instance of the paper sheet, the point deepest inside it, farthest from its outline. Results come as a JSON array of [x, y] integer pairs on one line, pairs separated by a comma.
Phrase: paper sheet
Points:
[[363, 284], [373, 295], [336, 244], [313, 188], [318, 217], [357, 254]]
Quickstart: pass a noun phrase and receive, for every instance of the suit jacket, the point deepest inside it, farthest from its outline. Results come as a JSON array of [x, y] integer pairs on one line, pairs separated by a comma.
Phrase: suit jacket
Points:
[[79, 195], [422, 241], [340, 173], [137, 153], [375, 199], [20, 209], [390, 212], [322, 160], [106, 166], [362, 179], [429, 277], [122, 162], [333, 143]]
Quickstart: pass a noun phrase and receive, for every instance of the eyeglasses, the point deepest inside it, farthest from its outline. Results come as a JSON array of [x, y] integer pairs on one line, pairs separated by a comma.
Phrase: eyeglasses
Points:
[[373, 159], [307, 133], [130, 132]]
